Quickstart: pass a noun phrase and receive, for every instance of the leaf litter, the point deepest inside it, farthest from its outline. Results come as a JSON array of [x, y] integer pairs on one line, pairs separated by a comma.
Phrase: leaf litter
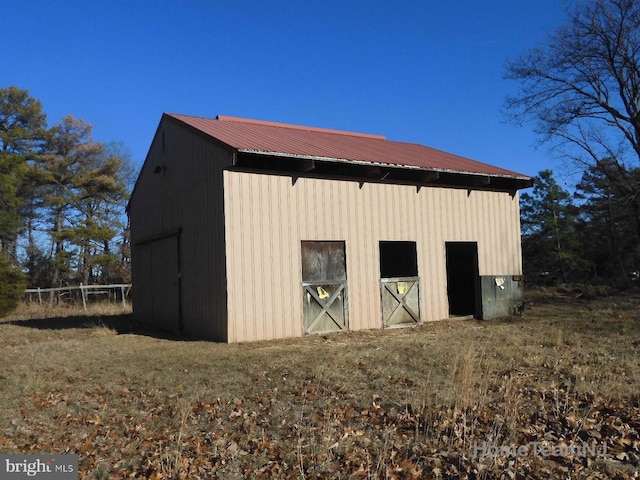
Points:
[[528, 410]]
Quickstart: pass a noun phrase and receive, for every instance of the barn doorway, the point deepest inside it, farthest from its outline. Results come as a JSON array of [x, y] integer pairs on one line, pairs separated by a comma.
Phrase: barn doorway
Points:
[[399, 284], [463, 280], [165, 283], [324, 286]]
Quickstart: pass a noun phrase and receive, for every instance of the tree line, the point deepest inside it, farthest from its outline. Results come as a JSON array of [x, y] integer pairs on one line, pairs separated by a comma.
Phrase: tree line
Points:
[[581, 92], [62, 199], [590, 234]]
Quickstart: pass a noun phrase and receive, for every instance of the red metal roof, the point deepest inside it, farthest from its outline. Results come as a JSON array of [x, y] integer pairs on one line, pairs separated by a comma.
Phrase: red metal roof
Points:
[[271, 138]]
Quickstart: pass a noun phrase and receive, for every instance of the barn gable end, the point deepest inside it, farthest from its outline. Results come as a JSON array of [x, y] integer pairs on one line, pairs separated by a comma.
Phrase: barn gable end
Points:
[[177, 233]]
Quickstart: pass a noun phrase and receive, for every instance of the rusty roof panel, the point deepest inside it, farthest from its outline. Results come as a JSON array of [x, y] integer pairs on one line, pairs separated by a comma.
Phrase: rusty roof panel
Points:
[[297, 141]]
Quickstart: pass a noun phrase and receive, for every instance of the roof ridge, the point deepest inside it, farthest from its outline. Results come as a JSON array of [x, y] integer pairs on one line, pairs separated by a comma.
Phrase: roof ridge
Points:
[[178, 115], [226, 118]]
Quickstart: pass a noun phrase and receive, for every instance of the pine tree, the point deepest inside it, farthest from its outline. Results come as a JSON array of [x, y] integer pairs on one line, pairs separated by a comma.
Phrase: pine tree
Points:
[[22, 133], [550, 248], [82, 188], [607, 221], [13, 284]]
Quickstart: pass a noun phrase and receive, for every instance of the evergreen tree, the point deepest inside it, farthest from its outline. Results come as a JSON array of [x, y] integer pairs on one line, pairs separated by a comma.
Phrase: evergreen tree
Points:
[[607, 221], [550, 250], [82, 189], [22, 133], [13, 284]]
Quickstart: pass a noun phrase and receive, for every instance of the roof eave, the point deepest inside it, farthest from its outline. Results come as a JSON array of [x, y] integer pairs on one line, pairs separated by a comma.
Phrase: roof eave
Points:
[[522, 178]]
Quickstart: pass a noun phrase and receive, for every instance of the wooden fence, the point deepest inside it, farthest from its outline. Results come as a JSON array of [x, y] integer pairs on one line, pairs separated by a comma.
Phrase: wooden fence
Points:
[[116, 291]]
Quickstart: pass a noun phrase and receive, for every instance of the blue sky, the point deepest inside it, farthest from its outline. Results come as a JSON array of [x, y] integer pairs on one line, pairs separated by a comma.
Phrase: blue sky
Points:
[[427, 71]]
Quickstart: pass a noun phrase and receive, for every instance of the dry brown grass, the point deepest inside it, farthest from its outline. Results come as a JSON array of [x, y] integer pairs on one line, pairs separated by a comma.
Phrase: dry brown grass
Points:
[[34, 310], [402, 403]]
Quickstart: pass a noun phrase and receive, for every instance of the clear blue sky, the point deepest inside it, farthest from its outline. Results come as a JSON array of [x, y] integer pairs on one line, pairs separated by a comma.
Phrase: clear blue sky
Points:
[[421, 71]]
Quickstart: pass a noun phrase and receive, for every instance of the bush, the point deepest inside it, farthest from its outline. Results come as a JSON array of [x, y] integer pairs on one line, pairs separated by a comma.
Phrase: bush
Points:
[[12, 285]]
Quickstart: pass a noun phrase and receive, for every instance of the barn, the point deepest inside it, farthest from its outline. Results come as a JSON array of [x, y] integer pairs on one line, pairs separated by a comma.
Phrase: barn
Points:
[[247, 230]]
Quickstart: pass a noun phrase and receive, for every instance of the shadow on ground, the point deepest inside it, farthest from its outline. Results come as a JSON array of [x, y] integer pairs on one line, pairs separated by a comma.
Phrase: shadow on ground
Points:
[[119, 323], [122, 324]]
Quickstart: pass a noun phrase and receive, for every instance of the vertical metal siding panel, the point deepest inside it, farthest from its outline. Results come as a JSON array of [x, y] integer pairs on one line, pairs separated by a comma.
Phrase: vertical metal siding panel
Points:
[[445, 212], [424, 252], [392, 219], [478, 216], [505, 236], [515, 235], [381, 215], [484, 221], [472, 215], [274, 292], [420, 238], [295, 261], [412, 218], [332, 211], [355, 257], [247, 271], [309, 201], [504, 243], [256, 322], [438, 250], [493, 221], [442, 210], [496, 240], [230, 254], [370, 260], [517, 239], [510, 228], [376, 204], [511, 235], [264, 313], [254, 326], [280, 224], [406, 205], [355, 276], [462, 219], [457, 218], [352, 231]]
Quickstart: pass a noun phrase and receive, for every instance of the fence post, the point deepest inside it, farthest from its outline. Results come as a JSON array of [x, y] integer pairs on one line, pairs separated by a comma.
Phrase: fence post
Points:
[[84, 300], [39, 296]]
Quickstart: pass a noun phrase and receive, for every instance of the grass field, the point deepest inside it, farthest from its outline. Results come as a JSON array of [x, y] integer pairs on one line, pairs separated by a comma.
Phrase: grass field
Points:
[[451, 399]]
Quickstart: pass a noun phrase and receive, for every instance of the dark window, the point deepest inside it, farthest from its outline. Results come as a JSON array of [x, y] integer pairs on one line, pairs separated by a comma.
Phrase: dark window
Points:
[[398, 259]]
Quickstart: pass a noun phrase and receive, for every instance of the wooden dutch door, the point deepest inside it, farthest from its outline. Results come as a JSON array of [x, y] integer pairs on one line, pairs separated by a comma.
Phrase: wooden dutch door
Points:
[[324, 287], [399, 284]]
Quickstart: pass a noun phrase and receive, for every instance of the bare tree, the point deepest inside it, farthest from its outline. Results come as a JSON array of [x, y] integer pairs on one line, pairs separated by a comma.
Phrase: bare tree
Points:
[[582, 91]]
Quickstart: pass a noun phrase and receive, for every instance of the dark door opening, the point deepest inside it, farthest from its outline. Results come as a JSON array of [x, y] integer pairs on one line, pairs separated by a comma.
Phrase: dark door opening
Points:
[[463, 280], [399, 284]]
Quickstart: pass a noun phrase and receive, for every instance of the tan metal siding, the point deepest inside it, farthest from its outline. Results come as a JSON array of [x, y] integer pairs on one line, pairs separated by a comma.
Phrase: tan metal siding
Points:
[[188, 196], [267, 217]]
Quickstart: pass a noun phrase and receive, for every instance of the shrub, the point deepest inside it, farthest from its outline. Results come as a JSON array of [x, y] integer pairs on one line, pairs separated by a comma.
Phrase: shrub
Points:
[[12, 285]]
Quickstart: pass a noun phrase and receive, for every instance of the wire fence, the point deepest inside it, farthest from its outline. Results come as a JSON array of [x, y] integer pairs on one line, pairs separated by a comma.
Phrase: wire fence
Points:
[[85, 294]]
